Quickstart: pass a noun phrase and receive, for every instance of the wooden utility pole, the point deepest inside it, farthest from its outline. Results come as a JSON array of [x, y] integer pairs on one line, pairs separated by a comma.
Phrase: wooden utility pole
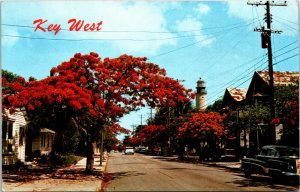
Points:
[[141, 121], [267, 43], [101, 146]]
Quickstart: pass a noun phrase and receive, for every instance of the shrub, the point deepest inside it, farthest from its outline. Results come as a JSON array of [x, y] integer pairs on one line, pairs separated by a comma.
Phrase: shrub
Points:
[[44, 160], [36, 153], [63, 160]]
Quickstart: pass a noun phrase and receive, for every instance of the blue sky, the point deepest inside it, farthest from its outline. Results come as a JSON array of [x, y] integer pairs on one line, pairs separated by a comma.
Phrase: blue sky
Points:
[[213, 40]]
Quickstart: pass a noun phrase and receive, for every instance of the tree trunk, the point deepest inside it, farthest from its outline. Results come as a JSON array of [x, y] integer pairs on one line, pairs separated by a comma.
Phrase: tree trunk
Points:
[[89, 156], [61, 123], [181, 150]]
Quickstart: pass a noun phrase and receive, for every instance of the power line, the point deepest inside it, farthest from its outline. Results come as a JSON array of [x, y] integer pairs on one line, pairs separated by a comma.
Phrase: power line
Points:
[[285, 52], [232, 48], [286, 46], [285, 20], [286, 25], [251, 77], [286, 59], [131, 31], [188, 45], [262, 57], [234, 80], [208, 57], [98, 39], [124, 39]]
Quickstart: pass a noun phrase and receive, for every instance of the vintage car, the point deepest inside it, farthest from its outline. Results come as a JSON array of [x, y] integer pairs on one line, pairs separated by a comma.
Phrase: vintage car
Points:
[[275, 161], [129, 151]]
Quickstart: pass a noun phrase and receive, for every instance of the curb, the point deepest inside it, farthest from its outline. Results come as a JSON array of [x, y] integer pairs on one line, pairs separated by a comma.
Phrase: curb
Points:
[[222, 166], [105, 178]]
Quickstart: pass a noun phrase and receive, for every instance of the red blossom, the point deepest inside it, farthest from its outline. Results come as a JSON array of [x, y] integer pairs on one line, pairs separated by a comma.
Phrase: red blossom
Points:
[[203, 126], [275, 121], [103, 90]]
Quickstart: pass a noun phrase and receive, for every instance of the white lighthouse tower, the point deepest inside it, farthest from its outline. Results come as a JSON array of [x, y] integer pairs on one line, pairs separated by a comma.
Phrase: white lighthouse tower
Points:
[[201, 95]]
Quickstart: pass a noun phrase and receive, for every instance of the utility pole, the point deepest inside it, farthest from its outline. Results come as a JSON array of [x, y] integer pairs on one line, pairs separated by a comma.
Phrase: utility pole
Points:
[[133, 129], [101, 146], [267, 43]]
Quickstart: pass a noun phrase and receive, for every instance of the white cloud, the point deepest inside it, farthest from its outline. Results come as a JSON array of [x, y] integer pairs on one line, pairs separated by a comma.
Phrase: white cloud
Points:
[[116, 16], [195, 27], [9, 41], [283, 16], [202, 8]]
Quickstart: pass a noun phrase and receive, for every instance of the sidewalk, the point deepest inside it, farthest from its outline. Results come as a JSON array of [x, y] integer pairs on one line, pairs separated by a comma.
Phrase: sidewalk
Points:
[[70, 178]]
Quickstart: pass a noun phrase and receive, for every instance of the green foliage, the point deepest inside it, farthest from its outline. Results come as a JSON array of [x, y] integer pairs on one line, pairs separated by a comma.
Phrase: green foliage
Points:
[[252, 115], [59, 160], [216, 106], [283, 95], [9, 76], [71, 137], [287, 110]]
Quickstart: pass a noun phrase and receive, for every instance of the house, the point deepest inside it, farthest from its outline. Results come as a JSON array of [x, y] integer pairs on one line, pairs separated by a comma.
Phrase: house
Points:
[[13, 137], [42, 141], [257, 92], [18, 143], [234, 96], [259, 85]]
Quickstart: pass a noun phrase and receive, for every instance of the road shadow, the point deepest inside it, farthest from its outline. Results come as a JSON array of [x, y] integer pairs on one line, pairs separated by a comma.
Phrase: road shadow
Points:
[[264, 181], [29, 175], [176, 159], [119, 175]]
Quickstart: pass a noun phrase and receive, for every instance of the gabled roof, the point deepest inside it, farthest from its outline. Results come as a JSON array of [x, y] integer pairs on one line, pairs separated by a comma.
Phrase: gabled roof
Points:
[[260, 82], [45, 130], [233, 96], [280, 78], [238, 94]]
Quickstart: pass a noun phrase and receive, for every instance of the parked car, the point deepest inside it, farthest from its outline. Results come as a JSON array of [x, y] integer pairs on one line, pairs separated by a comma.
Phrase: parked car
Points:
[[275, 161], [140, 150], [129, 150]]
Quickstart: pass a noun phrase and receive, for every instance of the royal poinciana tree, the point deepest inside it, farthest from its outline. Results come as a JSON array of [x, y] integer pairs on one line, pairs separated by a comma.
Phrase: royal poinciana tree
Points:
[[110, 140], [203, 128], [95, 93]]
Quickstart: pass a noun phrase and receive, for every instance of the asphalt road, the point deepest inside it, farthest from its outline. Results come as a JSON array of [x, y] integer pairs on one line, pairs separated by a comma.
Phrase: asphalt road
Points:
[[149, 173]]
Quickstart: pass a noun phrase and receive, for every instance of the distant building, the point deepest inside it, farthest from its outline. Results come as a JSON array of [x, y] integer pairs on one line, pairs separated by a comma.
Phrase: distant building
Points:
[[201, 95]]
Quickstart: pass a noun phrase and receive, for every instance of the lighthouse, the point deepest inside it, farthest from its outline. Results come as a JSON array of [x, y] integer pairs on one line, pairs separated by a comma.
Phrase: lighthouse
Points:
[[201, 95]]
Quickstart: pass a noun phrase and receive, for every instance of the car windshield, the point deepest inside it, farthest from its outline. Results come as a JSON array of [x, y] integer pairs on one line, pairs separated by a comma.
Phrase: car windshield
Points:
[[288, 152]]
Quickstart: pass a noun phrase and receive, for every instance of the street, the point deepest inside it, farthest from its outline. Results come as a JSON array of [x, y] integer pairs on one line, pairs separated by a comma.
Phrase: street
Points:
[[139, 172]]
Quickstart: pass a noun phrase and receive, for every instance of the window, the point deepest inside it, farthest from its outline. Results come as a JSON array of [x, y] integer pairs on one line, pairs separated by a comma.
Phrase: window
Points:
[[263, 152], [7, 130], [42, 140], [10, 130], [4, 129], [48, 140], [22, 135], [271, 152]]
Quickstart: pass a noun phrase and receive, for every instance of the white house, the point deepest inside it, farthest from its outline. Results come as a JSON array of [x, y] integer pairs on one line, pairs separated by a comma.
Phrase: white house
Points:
[[13, 137]]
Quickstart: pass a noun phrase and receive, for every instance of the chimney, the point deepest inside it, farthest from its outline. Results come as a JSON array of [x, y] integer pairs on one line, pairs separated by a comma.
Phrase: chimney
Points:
[[201, 95]]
